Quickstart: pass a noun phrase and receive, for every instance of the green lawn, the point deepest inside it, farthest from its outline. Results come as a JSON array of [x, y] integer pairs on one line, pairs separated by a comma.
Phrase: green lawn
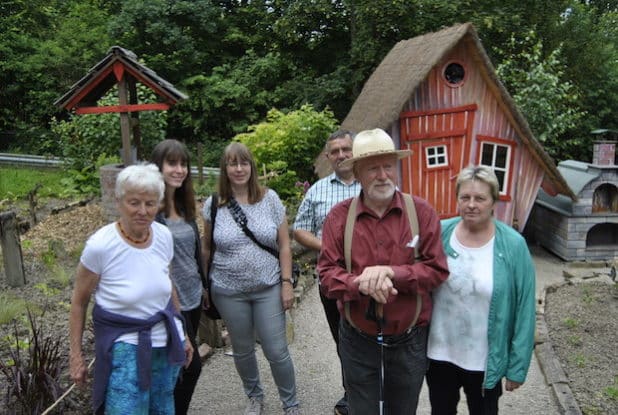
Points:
[[15, 183]]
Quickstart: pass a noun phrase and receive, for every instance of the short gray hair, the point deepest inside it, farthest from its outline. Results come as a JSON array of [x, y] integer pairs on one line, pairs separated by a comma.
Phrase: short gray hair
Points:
[[340, 134], [142, 178], [481, 173]]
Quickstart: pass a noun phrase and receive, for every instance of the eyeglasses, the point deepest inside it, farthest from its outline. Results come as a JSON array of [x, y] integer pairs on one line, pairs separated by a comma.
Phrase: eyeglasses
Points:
[[241, 163]]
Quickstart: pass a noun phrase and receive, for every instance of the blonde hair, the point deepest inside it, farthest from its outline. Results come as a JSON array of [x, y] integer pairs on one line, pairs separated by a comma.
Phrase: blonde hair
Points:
[[481, 173]]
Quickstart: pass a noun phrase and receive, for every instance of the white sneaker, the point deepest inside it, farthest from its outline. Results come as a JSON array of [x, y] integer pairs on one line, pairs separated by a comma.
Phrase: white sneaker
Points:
[[292, 410], [254, 406]]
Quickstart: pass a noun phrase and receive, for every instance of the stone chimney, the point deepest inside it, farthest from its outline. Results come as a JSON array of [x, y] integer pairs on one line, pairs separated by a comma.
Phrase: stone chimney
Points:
[[604, 153]]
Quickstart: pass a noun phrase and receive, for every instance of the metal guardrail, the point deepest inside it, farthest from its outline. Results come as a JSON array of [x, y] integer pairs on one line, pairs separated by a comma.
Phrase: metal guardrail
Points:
[[27, 160], [42, 162]]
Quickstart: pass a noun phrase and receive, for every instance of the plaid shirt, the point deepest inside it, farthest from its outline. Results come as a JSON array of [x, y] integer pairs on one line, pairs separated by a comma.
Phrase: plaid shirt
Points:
[[319, 199]]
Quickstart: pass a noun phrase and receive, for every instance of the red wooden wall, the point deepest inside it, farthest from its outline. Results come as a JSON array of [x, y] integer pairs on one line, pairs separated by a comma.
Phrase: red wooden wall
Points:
[[457, 116]]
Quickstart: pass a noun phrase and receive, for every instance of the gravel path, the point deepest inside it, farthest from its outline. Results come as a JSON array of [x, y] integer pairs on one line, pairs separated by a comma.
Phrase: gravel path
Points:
[[219, 390]]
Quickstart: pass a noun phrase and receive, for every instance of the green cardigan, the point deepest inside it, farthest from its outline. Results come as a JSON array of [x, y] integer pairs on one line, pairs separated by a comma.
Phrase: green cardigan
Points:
[[510, 332]]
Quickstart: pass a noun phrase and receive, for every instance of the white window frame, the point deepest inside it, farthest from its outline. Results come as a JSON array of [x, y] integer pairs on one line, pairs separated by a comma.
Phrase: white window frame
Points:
[[435, 156], [504, 187]]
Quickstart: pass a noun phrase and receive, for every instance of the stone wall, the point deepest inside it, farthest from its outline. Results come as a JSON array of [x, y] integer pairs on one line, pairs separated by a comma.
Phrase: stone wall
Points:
[[107, 178], [566, 236]]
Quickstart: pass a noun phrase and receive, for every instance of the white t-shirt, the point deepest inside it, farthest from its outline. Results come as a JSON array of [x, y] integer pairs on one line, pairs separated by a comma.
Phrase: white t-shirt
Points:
[[458, 330], [133, 282]]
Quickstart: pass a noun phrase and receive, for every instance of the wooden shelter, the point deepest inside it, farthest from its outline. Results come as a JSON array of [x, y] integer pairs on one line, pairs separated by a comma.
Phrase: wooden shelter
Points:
[[439, 96], [120, 67]]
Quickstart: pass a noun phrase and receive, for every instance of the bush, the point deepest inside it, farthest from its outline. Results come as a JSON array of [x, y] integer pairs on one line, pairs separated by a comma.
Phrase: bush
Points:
[[33, 371], [287, 144], [85, 181]]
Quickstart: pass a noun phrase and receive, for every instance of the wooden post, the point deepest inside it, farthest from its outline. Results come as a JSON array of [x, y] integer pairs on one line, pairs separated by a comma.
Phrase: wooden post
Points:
[[32, 202], [135, 127], [125, 122], [11, 250], [200, 164]]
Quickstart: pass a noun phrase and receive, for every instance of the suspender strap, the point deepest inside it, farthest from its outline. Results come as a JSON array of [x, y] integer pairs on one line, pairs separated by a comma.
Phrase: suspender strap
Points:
[[347, 251], [347, 236], [347, 248], [414, 230]]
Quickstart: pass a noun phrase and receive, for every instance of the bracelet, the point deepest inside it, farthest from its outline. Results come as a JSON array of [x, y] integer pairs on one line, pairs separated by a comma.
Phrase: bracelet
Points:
[[286, 280]]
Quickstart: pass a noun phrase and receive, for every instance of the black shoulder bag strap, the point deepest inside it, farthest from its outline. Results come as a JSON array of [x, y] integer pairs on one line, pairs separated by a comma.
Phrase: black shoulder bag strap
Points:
[[241, 219], [213, 214]]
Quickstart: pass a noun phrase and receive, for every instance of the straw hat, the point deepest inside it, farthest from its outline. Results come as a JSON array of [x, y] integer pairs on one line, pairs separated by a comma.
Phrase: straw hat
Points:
[[371, 143]]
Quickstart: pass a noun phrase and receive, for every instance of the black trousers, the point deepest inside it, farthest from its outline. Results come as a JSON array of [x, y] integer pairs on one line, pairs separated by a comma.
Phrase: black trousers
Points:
[[332, 317], [403, 359], [446, 379], [188, 376]]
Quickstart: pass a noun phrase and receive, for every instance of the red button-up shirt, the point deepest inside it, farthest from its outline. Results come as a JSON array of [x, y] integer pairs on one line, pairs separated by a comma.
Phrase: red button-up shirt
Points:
[[383, 241]]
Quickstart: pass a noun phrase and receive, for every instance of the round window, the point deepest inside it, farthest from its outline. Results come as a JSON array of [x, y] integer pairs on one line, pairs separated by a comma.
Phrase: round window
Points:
[[454, 74]]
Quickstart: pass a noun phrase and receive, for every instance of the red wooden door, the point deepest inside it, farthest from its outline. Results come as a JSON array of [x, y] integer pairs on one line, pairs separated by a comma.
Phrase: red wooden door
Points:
[[440, 141]]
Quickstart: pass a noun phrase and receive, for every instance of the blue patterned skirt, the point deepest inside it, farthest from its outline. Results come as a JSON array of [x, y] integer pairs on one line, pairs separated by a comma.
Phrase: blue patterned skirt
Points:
[[123, 396]]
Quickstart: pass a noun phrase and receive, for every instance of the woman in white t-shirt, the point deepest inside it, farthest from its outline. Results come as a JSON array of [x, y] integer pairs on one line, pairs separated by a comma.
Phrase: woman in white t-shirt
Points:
[[482, 326], [140, 342]]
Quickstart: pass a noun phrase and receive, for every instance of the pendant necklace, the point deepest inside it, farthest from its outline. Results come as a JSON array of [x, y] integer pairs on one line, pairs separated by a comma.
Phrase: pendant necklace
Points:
[[135, 241]]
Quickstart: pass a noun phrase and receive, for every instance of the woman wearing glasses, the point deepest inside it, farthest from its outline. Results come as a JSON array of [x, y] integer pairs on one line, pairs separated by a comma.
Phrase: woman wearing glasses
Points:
[[251, 287]]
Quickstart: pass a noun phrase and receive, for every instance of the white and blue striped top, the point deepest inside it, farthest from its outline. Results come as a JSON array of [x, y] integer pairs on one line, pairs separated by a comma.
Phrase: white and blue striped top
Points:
[[319, 199]]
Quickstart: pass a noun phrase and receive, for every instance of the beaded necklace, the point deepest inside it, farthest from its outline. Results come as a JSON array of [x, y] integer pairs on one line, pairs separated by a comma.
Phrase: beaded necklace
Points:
[[135, 241]]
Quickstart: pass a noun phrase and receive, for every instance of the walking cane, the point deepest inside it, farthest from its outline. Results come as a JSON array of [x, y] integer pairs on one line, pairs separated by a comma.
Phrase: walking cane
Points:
[[376, 313]]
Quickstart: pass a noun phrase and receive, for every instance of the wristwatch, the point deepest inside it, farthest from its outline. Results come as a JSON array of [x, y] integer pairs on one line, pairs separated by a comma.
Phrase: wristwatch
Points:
[[289, 280]]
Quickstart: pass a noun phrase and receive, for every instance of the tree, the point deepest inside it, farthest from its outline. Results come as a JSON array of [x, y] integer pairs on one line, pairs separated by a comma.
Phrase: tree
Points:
[[548, 101], [589, 38], [238, 59], [45, 47], [228, 101], [174, 37]]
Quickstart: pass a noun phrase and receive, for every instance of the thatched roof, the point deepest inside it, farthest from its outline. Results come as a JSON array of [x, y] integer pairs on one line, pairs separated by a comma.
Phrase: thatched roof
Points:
[[407, 65]]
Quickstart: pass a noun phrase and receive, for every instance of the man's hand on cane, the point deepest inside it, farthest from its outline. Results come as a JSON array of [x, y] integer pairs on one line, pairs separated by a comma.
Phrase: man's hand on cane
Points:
[[376, 282]]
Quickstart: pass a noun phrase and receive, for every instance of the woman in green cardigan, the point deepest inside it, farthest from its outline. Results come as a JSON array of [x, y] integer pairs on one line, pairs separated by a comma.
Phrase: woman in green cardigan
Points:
[[482, 328]]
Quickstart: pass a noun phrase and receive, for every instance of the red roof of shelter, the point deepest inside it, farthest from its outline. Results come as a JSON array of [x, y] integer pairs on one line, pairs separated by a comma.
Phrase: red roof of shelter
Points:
[[85, 93]]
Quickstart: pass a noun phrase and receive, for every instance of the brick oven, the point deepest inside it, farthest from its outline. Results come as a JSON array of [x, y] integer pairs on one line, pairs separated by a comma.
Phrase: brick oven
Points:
[[585, 229]]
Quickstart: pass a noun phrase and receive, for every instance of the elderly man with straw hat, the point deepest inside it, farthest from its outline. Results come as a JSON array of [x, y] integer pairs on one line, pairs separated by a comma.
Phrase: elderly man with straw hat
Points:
[[381, 257]]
